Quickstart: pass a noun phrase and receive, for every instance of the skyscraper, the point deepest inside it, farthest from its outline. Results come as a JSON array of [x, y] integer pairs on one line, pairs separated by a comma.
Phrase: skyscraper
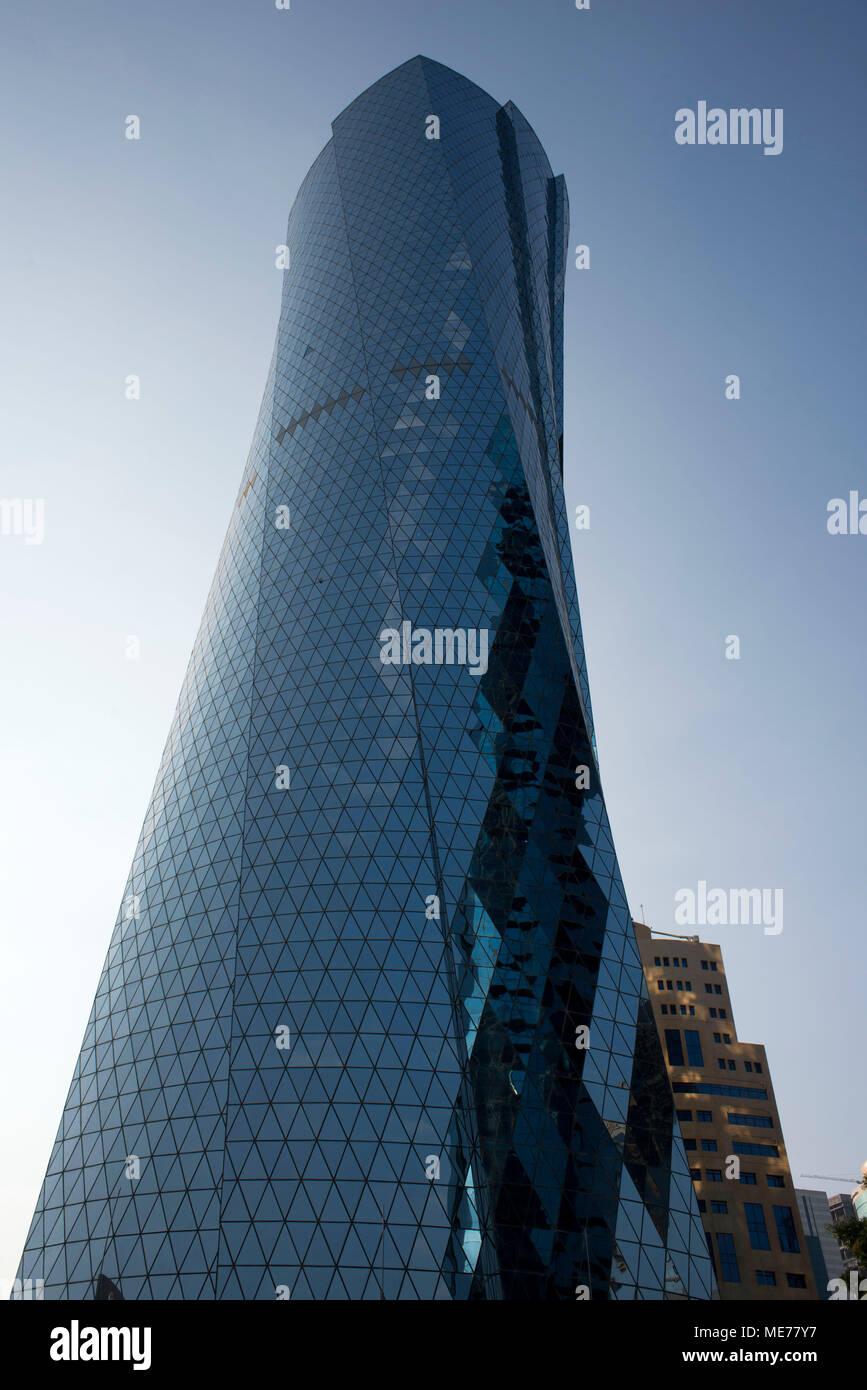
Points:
[[731, 1126], [373, 1021], [822, 1248]]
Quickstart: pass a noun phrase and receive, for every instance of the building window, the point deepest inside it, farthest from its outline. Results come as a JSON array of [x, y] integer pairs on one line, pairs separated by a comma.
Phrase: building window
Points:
[[728, 1263], [721, 1063], [714, 1088], [690, 1143], [759, 1238], [669, 984], [786, 1231], [748, 1179], [775, 1180], [704, 1116], [719, 1208], [688, 983], [727, 1037], [683, 1008], [684, 1114], [713, 1174], [704, 965], [766, 1276], [740, 1146], [665, 960], [708, 989], [754, 1121], [717, 1037], [693, 1047], [717, 989], [723, 1014], [695, 1174], [748, 1066], [663, 1008], [713, 1013], [674, 1046], [713, 965], [656, 960], [709, 1146], [680, 984], [702, 1205], [692, 1010], [757, 1066], [732, 1066], [660, 985], [796, 1281]]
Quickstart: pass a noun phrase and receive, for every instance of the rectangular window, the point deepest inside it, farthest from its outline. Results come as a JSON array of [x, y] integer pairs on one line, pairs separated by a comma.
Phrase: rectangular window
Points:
[[714, 1088], [717, 1037], [669, 984], [656, 960], [704, 1116], [740, 1146], [717, 989], [660, 985], [680, 984], [695, 1174], [674, 1046], [708, 989], [723, 1014], [748, 1179], [713, 1013], [786, 1230], [665, 960], [757, 1066], [693, 1047], [713, 965], [727, 1037], [748, 1066], [692, 1010], [766, 1276], [713, 1174], [775, 1180], [732, 1066], [704, 965], [728, 1263], [719, 1208], [702, 1205], [754, 1121], [757, 1227], [689, 982], [709, 1146], [684, 1114], [683, 1008], [721, 1063], [797, 1281], [664, 1008], [690, 1143]]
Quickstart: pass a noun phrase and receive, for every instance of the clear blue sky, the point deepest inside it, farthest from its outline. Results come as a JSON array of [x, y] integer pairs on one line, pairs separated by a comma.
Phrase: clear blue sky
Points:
[[708, 517]]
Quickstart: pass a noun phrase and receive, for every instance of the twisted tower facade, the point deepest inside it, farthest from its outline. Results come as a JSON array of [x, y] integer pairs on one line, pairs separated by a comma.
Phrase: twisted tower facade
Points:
[[373, 1021]]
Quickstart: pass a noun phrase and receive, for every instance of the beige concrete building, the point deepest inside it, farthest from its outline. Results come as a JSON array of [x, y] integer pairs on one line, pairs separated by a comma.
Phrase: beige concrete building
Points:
[[729, 1122]]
